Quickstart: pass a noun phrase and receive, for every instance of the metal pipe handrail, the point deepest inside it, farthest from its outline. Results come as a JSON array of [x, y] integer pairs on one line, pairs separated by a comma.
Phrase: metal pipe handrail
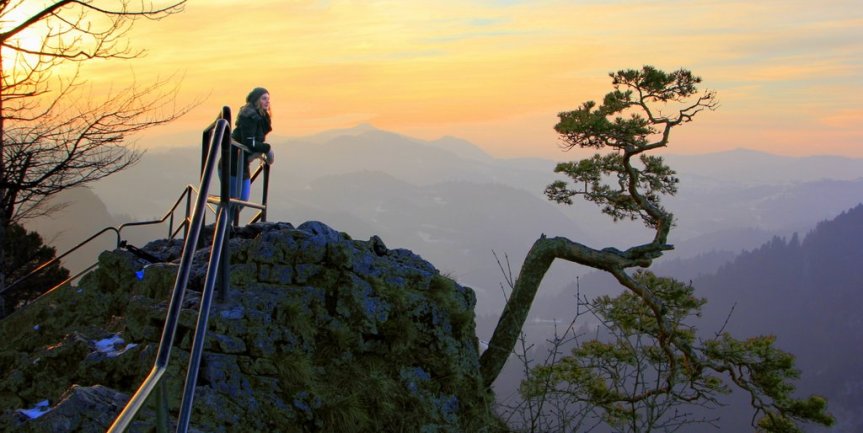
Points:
[[216, 134], [117, 230], [172, 320], [216, 251], [187, 191], [219, 132], [58, 258], [55, 288], [218, 263], [258, 171], [210, 208], [264, 167], [215, 200]]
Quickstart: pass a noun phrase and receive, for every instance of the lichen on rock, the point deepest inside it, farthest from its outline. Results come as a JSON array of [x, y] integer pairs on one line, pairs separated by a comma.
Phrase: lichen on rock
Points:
[[318, 332]]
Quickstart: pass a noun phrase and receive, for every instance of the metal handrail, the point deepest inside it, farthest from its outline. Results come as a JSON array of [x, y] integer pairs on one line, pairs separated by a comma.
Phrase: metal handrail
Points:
[[216, 135], [118, 231], [262, 213], [210, 208], [238, 149], [187, 191], [54, 289], [216, 200], [217, 271], [222, 223], [58, 258]]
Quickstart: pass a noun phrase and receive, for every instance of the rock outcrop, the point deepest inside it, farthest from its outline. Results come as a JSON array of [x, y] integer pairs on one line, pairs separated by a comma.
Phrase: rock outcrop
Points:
[[318, 332]]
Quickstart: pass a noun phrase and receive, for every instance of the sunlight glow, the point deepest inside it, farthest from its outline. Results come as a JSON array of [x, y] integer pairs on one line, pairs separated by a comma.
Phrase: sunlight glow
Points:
[[497, 73]]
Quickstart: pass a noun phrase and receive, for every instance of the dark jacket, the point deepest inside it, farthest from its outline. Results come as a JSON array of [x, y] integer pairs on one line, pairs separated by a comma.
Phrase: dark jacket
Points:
[[251, 130]]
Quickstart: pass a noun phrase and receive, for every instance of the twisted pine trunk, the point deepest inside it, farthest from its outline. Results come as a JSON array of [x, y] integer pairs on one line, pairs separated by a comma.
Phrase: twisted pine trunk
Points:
[[543, 252]]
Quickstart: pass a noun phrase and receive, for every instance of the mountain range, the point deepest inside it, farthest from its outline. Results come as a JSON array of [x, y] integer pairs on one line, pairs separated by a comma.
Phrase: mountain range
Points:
[[454, 204], [805, 290]]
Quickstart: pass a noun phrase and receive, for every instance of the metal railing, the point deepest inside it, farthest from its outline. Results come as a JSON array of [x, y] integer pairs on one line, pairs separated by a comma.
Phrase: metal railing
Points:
[[118, 232], [215, 137], [238, 155]]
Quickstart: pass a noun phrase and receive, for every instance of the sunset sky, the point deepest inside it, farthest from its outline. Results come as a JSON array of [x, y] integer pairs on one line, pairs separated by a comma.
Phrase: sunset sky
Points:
[[789, 73]]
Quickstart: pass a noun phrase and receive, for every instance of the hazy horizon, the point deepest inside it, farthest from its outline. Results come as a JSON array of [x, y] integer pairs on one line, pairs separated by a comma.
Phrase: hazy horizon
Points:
[[452, 204], [155, 141]]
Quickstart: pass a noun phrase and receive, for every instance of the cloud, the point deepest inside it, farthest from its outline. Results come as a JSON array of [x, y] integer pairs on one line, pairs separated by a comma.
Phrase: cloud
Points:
[[484, 22], [451, 64], [846, 119]]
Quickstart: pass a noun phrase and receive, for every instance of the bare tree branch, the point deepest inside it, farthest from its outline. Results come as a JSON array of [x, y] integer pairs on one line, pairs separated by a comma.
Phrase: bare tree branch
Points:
[[53, 134]]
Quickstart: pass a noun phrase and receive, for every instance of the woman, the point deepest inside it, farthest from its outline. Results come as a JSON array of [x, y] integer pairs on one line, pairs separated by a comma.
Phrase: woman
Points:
[[253, 125]]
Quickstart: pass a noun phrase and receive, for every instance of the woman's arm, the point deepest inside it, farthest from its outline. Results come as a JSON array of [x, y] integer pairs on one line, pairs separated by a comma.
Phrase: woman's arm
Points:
[[260, 146], [250, 131], [246, 130]]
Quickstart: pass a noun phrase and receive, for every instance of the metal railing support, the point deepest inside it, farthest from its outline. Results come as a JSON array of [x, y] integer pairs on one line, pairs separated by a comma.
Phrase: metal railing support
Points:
[[58, 258], [162, 408], [227, 210], [173, 315], [266, 192], [240, 160], [118, 231], [262, 208], [213, 269], [217, 278]]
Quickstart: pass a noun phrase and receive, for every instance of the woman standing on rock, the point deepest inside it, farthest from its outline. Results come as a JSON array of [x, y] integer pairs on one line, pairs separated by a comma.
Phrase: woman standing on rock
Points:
[[254, 122]]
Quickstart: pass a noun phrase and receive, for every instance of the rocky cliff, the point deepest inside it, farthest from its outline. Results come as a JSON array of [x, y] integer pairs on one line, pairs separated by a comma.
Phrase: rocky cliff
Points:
[[318, 332]]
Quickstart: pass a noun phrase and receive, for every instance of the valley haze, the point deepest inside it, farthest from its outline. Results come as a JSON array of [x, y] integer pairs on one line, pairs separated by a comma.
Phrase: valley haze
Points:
[[455, 205]]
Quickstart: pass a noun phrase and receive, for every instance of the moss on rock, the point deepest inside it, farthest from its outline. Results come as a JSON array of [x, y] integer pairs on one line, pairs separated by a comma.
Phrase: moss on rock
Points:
[[318, 332]]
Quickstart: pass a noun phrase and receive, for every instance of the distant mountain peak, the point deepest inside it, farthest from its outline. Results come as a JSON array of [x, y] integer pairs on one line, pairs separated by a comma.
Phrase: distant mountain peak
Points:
[[331, 134], [364, 127], [461, 147]]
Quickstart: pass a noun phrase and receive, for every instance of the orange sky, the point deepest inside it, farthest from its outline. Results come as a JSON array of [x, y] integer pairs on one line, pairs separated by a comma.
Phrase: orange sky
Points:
[[789, 73]]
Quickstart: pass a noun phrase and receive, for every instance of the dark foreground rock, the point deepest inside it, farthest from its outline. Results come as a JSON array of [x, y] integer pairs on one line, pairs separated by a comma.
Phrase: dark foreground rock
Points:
[[318, 332]]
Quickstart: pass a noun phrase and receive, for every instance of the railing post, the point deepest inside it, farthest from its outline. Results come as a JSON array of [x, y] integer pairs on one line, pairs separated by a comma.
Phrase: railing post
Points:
[[188, 210], [239, 160], [234, 155], [162, 408], [205, 141], [219, 259], [266, 192], [204, 150]]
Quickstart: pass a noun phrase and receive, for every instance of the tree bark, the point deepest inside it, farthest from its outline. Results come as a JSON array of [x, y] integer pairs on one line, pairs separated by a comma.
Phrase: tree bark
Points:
[[3, 192], [540, 257]]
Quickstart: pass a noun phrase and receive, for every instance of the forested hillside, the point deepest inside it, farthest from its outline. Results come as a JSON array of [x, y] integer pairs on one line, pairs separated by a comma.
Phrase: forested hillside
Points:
[[808, 291]]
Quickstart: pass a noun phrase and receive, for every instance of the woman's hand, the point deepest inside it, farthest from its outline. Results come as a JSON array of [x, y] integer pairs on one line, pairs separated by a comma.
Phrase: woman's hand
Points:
[[271, 157]]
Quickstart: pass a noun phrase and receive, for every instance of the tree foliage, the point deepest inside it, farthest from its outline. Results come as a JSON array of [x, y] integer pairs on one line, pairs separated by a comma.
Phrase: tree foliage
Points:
[[25, 250], [626, 377], [654, 359]]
